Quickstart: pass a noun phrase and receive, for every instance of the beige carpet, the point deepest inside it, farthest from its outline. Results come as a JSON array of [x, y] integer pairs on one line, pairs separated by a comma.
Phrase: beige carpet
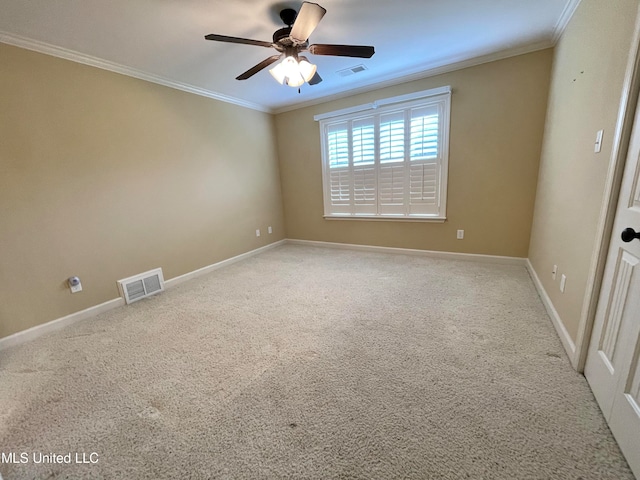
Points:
[[312, 363]]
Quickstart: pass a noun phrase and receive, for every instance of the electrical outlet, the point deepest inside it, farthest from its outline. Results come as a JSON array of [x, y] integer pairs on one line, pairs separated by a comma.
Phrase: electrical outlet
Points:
[[563, 282], [258, 232], [269, 229], [460, 234], [554, 272]]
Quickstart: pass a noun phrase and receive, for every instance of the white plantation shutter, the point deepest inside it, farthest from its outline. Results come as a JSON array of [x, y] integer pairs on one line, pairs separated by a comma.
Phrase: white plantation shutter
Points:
[[338, 145], [424, 169], [364, 172], [423, 189], [391, 163], [392, 190], [363, 140], [392, 137], [339, 174], [340, 190], [424, 132], [364, 190]]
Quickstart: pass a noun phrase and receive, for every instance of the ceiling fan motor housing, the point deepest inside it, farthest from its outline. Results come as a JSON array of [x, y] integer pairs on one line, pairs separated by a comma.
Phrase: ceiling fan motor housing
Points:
[[281, 36]]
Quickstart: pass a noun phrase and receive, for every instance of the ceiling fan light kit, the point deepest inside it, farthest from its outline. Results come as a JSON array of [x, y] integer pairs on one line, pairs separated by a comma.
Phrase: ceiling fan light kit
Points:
[[295, 70], [293, 73]]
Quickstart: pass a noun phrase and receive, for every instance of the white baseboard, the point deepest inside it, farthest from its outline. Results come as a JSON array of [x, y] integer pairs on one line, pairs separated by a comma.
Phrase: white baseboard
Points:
[[53, 325], [39, 330], [422, 253], [565, 338], [223, 263]]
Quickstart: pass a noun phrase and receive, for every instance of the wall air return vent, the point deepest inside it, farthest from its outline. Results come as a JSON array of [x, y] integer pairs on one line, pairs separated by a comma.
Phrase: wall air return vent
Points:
[[351, 70], [140, 286]]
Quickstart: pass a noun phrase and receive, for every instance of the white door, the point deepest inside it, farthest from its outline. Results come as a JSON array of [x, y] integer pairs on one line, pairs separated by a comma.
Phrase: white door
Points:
[[613, 362]]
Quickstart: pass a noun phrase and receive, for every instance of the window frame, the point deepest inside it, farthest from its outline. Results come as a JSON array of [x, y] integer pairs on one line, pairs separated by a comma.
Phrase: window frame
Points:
[[439, 97]]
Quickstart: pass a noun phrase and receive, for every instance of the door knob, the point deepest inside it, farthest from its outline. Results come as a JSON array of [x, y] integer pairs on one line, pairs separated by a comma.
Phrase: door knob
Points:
[[629, 234]]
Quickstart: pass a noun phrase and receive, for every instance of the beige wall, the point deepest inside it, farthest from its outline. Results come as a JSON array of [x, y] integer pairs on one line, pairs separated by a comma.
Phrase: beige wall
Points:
[[104, 176], [587, 77], [497, 123]]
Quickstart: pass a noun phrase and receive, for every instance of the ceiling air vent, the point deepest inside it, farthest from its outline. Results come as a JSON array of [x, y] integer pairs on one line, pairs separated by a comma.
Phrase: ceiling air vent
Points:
[[351, 70], [140, 286]]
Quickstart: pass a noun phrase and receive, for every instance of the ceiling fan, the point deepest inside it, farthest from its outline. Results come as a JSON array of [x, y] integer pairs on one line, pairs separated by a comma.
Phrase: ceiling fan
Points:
[[290, 41]]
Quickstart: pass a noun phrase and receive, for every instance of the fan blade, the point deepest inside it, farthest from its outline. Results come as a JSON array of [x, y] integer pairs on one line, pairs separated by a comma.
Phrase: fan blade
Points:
[[244, 41], [360, 51], [307, 20], [255, 69], [316, 79]]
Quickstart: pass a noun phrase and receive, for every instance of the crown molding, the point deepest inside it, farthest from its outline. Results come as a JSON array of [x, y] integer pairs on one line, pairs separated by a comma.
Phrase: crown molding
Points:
[[423, 73], [429, 71], [569, 9], [66, 54]]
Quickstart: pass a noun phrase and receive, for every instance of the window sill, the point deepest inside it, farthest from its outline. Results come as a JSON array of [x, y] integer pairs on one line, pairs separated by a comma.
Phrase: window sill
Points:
[[380, 218]]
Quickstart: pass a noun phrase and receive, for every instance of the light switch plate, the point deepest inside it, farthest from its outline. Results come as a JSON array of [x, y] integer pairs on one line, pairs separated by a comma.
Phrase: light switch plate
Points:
[[598, 146]]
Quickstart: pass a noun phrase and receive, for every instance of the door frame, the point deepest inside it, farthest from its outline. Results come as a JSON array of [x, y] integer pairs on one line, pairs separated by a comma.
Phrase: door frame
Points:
[[604, 231]]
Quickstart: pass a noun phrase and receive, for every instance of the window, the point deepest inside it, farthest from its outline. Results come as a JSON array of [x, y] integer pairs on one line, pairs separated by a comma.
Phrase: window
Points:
[[388, 159]]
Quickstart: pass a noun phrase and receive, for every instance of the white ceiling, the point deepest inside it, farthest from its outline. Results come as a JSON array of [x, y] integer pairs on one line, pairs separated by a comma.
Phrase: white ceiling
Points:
[[163, 40]]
